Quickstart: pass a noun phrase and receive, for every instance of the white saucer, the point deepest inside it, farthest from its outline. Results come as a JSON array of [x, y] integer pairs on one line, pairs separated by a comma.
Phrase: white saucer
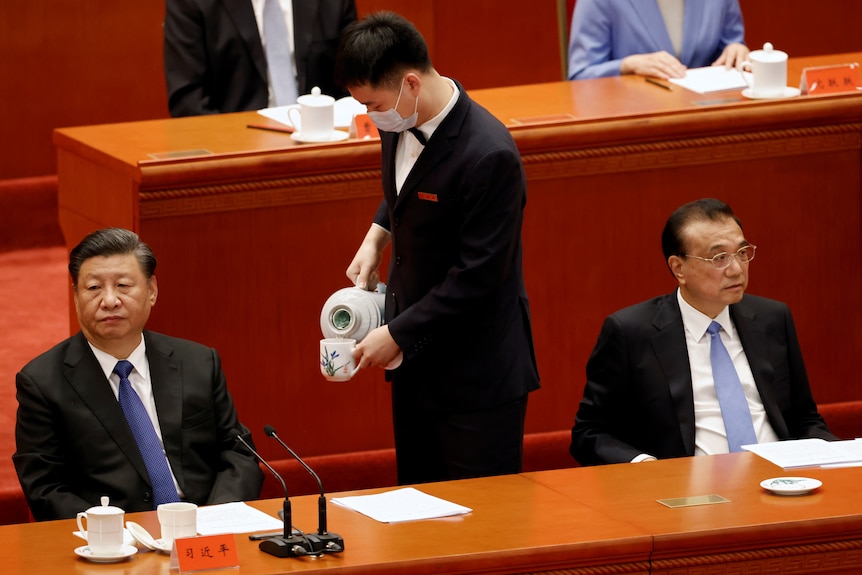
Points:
[[791, 485], [142, 536], [333, 136], [789, 92], [126, 551]]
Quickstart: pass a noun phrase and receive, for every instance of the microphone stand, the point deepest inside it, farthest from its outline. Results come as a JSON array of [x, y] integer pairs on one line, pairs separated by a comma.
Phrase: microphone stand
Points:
[[288, 545], [330, 542]]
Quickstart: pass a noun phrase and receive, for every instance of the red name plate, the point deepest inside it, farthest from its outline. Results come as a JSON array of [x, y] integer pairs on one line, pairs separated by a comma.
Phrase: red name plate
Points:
[[364, 128], [207, 552], [831, 79]]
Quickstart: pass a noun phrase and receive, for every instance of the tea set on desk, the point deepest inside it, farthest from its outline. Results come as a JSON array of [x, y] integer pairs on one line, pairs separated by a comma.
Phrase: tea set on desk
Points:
[[313, 117], [768, 75], [108, 542]]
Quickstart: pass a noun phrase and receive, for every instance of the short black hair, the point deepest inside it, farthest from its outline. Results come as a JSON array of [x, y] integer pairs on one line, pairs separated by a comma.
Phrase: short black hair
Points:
[[377, 50], [705, 209], [111, 242]]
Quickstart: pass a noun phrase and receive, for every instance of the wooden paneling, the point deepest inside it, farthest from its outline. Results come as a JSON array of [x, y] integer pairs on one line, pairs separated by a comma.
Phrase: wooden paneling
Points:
[[68, 63]]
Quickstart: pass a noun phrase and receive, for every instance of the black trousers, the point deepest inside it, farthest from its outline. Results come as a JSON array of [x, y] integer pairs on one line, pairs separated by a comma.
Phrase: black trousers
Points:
[[439, 444]]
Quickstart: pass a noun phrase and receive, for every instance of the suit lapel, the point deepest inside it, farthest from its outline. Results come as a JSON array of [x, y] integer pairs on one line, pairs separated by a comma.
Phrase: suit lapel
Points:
[[752, 335], [438, 147], [304, 14], [166, 379], [654, 24], [692, 23], [242, 14], [669, 347], [85, 376]]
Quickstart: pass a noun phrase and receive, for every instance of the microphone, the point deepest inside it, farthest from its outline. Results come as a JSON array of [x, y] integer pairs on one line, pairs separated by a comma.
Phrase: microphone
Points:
[[332, 542], [288, 545]]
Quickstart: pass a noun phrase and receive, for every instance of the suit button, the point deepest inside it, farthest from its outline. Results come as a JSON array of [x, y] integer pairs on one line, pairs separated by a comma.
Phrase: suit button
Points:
[[398, 260], [397, 222], [148, 496]]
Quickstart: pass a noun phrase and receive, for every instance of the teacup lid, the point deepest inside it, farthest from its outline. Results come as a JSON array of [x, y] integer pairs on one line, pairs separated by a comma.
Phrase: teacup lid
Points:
[[768, 54], [316, 99], [104, 508]]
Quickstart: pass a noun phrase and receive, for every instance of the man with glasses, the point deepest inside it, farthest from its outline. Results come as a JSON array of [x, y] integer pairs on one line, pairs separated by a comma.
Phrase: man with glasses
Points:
[[703, 370]]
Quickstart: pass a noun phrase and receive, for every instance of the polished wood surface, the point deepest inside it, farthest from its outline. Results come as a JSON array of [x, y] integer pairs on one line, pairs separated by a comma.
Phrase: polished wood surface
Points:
[[594, 520], [72, 63], [756, 532], [517, 526]]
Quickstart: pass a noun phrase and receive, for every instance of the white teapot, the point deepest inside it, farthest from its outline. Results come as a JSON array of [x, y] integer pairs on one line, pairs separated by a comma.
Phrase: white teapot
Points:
[[351, 313]]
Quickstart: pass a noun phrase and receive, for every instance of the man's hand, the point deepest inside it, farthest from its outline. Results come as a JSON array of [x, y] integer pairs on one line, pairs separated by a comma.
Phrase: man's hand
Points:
[[362, 271], [377, 349]]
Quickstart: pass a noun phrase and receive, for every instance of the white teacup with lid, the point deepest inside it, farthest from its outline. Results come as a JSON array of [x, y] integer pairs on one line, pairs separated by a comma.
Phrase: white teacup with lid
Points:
[[316, 115], [768, 72], [104, 532]]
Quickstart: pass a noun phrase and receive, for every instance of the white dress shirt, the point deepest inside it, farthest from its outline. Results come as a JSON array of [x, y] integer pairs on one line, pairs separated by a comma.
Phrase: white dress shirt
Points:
[[409, 148], [141, 383], [710, 435]]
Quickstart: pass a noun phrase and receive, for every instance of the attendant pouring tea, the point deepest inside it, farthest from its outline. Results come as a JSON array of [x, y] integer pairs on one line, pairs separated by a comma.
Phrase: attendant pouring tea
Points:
[[456, 342]]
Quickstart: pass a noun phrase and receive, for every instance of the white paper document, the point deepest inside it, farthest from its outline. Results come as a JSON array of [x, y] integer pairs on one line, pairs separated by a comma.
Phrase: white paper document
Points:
[[235, 518], [712, 79], [407, 504], [810, 453]]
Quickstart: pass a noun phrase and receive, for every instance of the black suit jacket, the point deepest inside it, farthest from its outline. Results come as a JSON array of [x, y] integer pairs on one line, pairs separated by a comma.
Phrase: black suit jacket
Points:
[[456, 302], [215, 63], [74, 445], [638, 397]]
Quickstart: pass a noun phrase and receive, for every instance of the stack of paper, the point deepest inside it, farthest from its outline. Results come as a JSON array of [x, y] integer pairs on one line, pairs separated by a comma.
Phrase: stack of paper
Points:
[[234, 518], [810, 453], [712, 79], [405, 504]]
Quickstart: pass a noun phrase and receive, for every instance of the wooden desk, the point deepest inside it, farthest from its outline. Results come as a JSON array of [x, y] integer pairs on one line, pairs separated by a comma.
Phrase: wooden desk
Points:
[[585, 521], [757, 532], [254, 235], [517, 526]]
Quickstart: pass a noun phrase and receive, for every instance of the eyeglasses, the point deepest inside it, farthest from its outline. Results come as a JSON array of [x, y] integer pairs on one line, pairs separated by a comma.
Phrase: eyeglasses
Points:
[[722, 260]]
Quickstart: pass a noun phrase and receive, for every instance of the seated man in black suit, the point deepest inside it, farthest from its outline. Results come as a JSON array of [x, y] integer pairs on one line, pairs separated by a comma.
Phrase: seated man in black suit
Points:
[[217, 59], [119, 411], [702, 370]]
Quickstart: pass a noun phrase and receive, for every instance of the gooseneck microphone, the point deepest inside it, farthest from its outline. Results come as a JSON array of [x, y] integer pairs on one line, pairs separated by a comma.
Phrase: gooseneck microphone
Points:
[[331, 542], [288, 545]]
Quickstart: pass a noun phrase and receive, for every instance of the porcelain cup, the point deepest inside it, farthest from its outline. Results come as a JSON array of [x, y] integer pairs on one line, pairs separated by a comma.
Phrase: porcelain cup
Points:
[[336, 358], [314, 115], [102, 526], [768, 72], [177, 520]]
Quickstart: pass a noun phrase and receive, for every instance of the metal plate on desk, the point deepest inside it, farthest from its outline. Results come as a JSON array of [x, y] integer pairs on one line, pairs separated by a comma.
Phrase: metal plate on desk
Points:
[[179, 154], [693, 500]]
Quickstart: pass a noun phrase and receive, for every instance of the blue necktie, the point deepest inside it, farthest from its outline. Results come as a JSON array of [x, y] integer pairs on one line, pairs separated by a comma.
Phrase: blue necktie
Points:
[[731, 399], [278, 62], [164, 490]]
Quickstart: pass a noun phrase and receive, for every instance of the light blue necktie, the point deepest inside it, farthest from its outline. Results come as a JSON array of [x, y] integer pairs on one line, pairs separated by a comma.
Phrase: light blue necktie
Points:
[[276, 39], [731, 399], [164, 490]]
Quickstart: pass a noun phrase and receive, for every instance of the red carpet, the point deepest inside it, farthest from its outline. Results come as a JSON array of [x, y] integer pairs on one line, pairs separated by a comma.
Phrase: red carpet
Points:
[[34, 296], [34, 315]]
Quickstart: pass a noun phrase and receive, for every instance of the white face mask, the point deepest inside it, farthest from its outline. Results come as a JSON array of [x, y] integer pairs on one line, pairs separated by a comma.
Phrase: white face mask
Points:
[[391, 120]]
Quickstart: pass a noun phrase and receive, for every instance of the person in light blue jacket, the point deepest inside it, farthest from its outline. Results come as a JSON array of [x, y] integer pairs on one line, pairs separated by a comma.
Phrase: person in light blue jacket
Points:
[[659, 38]]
